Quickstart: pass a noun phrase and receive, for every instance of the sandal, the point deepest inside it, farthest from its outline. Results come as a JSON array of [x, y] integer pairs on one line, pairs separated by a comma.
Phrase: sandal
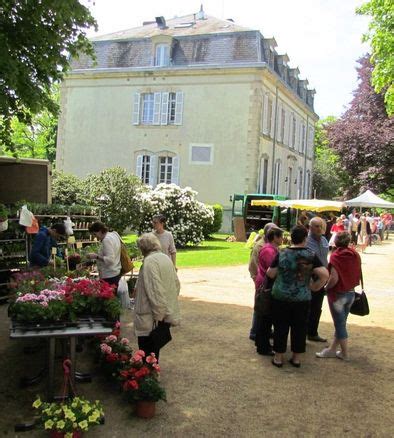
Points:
[[276, 364], [294, 364]]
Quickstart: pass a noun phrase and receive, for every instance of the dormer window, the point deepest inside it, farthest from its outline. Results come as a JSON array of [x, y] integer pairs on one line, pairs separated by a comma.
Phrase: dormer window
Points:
[[162, 55]]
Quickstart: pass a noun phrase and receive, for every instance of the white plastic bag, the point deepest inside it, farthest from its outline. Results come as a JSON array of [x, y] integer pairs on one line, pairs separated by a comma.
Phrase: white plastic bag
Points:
[[26, 217], [123, 293], [69, 226]]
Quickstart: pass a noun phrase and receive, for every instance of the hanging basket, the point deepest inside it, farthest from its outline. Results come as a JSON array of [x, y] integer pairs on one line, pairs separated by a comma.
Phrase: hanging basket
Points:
[[145, 409]]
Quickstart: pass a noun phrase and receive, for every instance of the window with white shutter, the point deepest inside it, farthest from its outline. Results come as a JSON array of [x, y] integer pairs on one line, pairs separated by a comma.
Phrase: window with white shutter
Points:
[[277, 173], [178, 108], [148, 100], [293, 131], [175, 170], [138, 170], [272, 108], [263, 178], [153, 171], [165, 169], [265, 115], [287, 128], [164, 108], [143, 168], [136, 108], [156, 108], [282, 118]]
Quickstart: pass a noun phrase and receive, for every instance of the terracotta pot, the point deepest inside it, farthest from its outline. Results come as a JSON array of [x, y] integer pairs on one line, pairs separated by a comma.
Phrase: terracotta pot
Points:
[[145, 409], [59, 434]]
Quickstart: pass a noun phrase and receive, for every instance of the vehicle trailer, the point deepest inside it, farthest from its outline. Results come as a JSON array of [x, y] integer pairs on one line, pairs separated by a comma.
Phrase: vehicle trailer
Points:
[[256, 217]]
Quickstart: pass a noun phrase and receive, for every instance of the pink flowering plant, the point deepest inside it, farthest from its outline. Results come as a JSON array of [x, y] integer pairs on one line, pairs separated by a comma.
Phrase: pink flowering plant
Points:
[[115, 355], [141, 378]]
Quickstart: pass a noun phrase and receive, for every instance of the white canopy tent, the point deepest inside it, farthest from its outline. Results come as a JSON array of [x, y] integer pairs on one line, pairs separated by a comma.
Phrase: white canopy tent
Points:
[[369, 200]]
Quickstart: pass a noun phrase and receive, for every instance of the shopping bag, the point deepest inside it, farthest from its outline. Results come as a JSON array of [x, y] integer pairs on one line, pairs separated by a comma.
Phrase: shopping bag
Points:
[[160, 335], [34, 228], [25, 217], [123, 293], [360, 305]]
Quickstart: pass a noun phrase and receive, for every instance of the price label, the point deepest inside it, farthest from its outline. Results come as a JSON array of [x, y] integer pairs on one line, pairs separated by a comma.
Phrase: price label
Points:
[[54, 251], [79, 245]]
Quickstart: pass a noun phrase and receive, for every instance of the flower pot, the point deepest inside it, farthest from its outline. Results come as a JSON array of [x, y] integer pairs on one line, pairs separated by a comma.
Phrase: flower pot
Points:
[[145, 409], [59, 434]]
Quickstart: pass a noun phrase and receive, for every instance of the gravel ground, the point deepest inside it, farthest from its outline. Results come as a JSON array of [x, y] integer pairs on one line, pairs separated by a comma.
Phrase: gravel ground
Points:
[[218, 386]]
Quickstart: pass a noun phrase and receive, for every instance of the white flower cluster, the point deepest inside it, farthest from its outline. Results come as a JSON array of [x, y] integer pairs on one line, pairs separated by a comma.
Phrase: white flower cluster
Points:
[[186, 216]]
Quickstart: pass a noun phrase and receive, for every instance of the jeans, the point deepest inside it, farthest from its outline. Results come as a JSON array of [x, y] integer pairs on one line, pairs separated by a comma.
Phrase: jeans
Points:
[[340, 309]]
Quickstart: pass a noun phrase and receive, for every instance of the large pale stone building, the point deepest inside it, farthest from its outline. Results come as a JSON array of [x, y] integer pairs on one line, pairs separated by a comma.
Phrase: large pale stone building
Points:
[[197, 101]]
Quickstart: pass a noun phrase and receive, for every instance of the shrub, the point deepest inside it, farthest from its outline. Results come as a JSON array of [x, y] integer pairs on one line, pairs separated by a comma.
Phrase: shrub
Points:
[[118, 195], [217, 220], [186, 217], [66, 188]]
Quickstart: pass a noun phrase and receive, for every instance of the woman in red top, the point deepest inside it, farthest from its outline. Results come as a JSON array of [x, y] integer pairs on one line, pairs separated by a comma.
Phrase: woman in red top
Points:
[[338, 227], [345, 274]]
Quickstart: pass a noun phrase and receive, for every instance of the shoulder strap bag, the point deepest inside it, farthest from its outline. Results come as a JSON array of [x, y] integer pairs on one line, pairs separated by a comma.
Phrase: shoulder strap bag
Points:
[[360, 305], [125, 260]]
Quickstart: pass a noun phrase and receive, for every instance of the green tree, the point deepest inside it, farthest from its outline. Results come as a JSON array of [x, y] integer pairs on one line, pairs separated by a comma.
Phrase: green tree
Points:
[[329, 180], [381, 37], [37, 39], [66, 188], [119, 196]]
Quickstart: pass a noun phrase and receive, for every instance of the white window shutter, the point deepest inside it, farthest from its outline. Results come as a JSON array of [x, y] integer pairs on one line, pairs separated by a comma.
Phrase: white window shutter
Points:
[[156, 108], [138, 169], [273, 115], [164, 108], [175, 171], [279, 124], [136, 108], [178, 108], [286, 133], [153, 171], [265, 116]]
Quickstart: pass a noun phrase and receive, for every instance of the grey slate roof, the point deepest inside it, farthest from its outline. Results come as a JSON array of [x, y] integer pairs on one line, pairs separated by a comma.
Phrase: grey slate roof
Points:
[[204, 42]]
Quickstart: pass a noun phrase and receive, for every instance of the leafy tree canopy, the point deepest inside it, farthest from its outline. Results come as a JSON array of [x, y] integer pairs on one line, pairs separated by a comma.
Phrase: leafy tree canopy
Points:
[[364, 138], [381, 37], [329, 179], [36, 41]]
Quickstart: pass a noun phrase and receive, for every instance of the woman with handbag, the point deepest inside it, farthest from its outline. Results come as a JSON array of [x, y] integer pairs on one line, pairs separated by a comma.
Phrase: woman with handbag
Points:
[[297, 271], [267, 254], [345, 275], [108, 255], [156, 301]]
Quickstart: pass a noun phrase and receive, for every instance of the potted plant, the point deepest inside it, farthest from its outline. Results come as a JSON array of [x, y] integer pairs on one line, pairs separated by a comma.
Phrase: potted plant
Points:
[[69, 419], [115, 355], [141, 382]]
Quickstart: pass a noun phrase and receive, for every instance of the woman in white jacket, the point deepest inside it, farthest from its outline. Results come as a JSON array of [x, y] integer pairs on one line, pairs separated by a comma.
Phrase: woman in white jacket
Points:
[[157, 291]]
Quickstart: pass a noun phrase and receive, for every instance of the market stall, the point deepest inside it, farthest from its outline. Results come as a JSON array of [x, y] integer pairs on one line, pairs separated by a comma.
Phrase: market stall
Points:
[[369, 200], [317, 205]]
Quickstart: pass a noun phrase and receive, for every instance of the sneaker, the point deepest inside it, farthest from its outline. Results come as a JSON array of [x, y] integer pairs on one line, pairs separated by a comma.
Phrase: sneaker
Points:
[[339, 355], [326, 352]]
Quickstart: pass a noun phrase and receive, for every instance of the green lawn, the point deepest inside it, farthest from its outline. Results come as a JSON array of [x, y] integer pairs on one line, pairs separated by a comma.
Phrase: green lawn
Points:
[[213, 252]]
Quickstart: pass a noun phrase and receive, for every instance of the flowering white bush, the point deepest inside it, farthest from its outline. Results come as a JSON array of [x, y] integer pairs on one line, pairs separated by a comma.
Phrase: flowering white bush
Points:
[[186, 217]]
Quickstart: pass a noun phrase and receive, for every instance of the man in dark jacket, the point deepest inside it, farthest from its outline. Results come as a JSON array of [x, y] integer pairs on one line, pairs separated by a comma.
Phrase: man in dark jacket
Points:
[[44, 241]]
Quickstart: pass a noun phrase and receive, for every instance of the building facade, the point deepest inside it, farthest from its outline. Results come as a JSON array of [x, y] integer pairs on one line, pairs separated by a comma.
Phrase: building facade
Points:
[[195, 101]]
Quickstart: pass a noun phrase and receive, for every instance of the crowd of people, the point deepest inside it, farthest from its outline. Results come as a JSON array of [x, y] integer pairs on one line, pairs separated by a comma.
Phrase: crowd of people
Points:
[[322, 260]]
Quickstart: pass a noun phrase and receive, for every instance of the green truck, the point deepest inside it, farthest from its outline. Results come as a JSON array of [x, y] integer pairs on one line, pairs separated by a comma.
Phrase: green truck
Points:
[[255, 217]]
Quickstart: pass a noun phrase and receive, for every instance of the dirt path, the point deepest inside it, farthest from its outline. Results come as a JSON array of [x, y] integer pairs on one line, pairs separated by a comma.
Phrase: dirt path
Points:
[[217, 386]]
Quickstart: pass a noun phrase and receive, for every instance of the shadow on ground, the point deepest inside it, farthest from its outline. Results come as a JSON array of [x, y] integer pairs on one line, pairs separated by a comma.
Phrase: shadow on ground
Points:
[[218, 386]]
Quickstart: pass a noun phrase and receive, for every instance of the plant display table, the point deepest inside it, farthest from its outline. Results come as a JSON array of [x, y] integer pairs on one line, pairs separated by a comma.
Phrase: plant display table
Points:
[[50, 334]]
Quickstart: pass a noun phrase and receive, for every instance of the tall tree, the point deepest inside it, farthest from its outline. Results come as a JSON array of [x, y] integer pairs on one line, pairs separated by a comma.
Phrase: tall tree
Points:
[[36, 41], [381, 37], [364, 138], [329, 179]]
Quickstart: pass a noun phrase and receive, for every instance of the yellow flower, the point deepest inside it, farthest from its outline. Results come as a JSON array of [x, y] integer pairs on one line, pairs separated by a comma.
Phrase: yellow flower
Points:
[[48, 424], [83, 425], [37, 403], [93, 418], [75, 425], [60, 424], [86, 409], [58, 412]]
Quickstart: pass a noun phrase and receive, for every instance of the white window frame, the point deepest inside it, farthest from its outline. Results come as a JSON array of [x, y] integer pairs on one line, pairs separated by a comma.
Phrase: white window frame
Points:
[[147, 108], [204, 145], [167, 168], [162, 55], [263, 177], [277, 173]]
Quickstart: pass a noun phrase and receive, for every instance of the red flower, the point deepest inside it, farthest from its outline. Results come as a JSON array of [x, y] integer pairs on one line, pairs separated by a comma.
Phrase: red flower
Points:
[[144, 371], [111, 357], [130, 385]]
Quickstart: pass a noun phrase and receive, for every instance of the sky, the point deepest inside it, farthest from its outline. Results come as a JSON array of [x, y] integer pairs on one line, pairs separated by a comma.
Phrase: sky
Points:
[[321, 37]]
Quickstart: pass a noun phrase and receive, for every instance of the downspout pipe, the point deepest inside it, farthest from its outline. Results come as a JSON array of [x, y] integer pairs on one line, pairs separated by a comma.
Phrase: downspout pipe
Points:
[[305, 159], [274, 140]]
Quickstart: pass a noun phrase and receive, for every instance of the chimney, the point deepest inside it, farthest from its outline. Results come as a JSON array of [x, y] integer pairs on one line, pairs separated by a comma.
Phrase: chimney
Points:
[[161, 22], [201, 13], [146, 23]]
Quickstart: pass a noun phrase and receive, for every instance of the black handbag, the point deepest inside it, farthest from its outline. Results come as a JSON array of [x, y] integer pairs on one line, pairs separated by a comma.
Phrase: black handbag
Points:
[[262, 301], [160, 334], [360, 305]]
